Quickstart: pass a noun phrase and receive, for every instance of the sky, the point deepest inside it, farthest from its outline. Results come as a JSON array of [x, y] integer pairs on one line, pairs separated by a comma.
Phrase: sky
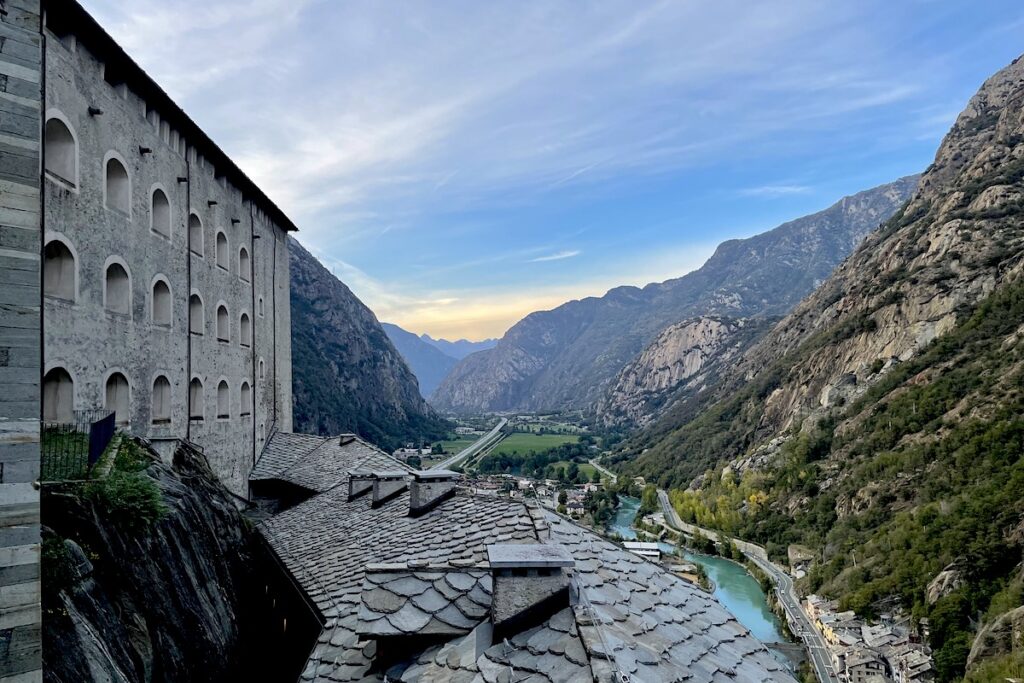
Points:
[[461, 164]]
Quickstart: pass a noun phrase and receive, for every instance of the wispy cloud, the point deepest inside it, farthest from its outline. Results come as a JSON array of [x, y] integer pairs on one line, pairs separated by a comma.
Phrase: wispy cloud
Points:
[[557, 256], [773, 191]]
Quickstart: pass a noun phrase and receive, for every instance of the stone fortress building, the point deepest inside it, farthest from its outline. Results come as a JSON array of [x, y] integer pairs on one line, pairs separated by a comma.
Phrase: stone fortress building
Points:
[[165, 269]]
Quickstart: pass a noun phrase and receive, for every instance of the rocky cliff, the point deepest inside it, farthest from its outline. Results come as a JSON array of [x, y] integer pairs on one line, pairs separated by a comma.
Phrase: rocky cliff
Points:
[[568, 356], [147, 576], [882, 418], [347, 375], [427, 361], [681, 360]]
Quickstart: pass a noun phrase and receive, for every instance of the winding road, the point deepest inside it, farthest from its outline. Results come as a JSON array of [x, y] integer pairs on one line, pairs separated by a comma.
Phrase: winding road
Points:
[[812, 639], [486, 441]]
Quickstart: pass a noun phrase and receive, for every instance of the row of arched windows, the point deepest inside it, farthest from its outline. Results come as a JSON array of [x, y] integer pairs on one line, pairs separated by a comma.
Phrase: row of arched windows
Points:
[[61, 152], [60, 281], [59, 391]]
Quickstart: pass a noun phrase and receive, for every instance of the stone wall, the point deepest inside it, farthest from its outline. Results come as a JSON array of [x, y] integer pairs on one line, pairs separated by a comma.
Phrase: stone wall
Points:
[[20, 104], [92, 342]]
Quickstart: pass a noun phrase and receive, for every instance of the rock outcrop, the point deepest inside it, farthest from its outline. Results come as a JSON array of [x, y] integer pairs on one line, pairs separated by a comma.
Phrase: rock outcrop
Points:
[[347, 375], [682, 359], [127, 603], [567, 357], [1004, 635]]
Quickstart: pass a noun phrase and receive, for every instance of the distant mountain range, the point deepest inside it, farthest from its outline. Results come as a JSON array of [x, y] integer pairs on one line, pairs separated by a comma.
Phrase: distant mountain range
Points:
[[569, 356], [347, 375], [461, 348], [428, 362]]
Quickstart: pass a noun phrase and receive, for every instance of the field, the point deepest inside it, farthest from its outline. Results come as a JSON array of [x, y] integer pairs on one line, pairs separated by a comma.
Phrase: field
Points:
[[585, 467], [524, 443], [456, 445]]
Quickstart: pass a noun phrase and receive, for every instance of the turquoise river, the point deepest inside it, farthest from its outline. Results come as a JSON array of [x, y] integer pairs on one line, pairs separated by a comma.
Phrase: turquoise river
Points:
[[734, 587]]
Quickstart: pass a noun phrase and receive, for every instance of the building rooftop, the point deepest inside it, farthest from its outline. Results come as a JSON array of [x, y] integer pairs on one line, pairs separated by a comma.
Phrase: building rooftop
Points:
[[319, 463], [378, 575]]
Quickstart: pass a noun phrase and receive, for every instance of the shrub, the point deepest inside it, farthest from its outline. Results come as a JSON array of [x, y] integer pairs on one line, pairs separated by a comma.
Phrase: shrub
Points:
[[129, 499]]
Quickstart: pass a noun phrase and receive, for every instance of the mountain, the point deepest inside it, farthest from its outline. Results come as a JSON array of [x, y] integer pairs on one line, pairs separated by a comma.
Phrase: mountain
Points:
[[883, 419], [567, 357], [346, 374], [461, 348], [427, 361], [681, 360]]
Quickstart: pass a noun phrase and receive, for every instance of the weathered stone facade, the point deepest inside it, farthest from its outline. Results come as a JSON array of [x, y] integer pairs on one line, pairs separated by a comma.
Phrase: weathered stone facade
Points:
[[166, 282]]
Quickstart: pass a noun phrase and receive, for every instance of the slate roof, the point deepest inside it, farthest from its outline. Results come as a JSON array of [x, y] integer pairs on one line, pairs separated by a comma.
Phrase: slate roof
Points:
[[405, 602], [318, 463], [626, 614]]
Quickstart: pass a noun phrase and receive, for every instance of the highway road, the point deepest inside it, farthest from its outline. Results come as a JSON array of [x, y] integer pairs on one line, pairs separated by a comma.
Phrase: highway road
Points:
[[813, 641], [486, 441], [603, 470]]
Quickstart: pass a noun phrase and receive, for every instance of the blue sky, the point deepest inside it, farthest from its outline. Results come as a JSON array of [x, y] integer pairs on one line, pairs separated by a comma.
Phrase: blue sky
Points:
[[460, 164]]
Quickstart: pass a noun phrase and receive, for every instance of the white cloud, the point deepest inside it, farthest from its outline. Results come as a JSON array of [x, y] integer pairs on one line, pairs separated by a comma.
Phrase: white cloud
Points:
[[557, 256], [773, 191]]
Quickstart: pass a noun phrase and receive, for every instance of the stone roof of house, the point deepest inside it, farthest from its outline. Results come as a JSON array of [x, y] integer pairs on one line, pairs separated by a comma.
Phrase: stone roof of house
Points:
[[379, 572], [318, 463]]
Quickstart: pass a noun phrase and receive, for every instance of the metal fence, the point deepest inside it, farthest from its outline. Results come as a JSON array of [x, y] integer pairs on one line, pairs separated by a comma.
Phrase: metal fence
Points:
[[70, 449]]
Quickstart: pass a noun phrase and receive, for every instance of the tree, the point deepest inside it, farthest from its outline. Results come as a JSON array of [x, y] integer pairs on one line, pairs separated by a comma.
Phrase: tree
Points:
[[563, 498], [414, 461], [595, 477], [437, 449]]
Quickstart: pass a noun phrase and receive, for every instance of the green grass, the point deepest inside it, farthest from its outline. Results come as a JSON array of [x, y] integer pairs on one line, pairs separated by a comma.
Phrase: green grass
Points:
[[524, 443], [585, 467], [456, 445]]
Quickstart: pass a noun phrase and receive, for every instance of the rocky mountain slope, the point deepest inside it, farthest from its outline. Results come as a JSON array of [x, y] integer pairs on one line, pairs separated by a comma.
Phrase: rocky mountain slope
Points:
[[681, 360], [567, 357], [460, 348], [347, 375], [883, 417], [427, 361]]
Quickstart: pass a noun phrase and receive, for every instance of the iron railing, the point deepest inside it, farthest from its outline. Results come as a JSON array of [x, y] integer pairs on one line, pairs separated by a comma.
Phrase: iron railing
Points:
[[69, 450]]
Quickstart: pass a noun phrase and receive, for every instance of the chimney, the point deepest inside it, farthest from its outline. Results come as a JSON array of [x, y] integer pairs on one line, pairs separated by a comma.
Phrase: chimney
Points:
[[531, 583], [387, 485], [429, 488], [359, 482]]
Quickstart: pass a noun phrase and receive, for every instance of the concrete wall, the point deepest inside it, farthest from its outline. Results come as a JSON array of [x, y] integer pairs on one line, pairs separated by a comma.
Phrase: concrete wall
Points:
[[20, 108], [92, 342]]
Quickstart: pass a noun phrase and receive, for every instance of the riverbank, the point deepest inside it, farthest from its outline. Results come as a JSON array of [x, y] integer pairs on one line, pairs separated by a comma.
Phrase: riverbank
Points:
[[733, 585]]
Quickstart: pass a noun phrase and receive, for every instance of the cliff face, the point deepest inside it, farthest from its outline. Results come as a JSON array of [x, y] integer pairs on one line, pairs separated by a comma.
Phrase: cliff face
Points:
[[682, 359], [567, 357], [123, 602], [347, 375]]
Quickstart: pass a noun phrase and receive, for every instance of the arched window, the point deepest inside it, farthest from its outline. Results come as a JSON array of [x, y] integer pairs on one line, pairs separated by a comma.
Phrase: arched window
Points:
[[61, 152], [161, 400], [161, 303], [118, 188], [263, 372], [195, 314], [222, 250], [160, 213], [58, 396], [195, 234], [245, 330], [223, 324], [117, 397], [243, 264], [245, 399], [58, 271], [223, 400], [117, 290], [195, 399]]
